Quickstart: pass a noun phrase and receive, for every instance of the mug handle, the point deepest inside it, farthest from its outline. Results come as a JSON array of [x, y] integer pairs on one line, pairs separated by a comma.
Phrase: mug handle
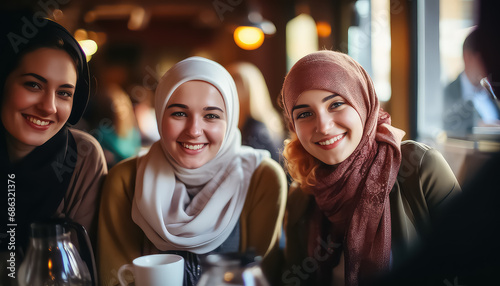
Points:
[[122, 269]]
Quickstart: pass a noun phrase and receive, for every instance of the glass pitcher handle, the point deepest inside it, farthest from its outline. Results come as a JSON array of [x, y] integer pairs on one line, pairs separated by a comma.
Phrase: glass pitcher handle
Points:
[[87, 252]]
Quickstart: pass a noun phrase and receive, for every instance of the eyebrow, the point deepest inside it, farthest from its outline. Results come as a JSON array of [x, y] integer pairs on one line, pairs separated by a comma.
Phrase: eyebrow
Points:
[[299, 106], [208, 108], [44, 80], [39, 77], [178, 105], [329, 97], [323, 100]]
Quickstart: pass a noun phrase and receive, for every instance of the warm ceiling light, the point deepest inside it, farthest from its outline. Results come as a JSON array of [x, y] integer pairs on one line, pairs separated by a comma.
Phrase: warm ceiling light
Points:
[[324, 29], [90, 17], [89, 47], [248, 38], [58, 14], [81, 34], [138, 19]]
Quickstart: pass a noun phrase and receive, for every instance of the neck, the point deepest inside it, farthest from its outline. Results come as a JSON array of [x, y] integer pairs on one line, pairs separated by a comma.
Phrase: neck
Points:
[[473, 78]]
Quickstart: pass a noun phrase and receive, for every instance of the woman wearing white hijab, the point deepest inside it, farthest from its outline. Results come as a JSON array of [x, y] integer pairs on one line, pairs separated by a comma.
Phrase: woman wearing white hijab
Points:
[[197, 190]]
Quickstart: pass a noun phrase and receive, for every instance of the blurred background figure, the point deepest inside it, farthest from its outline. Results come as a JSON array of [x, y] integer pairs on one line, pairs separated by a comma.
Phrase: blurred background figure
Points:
[[111, 114], [146, 117], [260, 124], [467, 103], [463, 247]]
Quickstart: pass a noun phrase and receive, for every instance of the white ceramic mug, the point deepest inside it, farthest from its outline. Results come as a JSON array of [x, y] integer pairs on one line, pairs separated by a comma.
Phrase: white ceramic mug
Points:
[[155, 270]]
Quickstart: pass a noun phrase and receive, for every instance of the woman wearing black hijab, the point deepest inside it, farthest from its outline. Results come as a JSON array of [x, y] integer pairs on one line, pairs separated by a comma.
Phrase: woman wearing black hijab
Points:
[[48, 169]]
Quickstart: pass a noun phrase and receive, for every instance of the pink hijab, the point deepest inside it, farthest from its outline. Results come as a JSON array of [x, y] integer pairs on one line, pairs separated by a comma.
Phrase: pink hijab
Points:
[[353, 195]]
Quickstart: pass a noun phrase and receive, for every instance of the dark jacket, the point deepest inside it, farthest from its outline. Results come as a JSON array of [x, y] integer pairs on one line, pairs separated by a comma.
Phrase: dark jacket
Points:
[[459, 115]]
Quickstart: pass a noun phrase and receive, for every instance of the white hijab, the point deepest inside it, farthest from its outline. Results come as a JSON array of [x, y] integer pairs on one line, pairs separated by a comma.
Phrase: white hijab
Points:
[[162, 206]]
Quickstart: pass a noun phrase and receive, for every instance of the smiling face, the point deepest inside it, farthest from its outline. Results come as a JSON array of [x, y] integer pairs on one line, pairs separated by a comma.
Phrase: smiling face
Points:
[[38, 97], [327, 126], [194, 124]]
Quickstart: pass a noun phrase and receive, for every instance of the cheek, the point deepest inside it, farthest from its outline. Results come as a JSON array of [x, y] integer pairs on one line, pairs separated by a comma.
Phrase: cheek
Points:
[[353, 122], [303, 130], [64, 109], [171, 130], [216, 132], [16, 99]]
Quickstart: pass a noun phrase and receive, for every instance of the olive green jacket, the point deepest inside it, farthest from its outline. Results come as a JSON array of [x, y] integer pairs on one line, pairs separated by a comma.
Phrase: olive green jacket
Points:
[[120, 240], [425, 183]]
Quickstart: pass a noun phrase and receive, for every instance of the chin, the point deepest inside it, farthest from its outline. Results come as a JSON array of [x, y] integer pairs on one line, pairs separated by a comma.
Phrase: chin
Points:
[[332, 161], [34, 141], [192, 165]]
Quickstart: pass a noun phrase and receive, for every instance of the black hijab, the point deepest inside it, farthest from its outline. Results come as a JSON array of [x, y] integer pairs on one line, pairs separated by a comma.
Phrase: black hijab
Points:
[[41, 179]]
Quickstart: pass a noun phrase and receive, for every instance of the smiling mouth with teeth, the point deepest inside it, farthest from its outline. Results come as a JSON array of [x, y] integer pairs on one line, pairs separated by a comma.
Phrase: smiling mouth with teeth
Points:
[[38, 121], [193, 147], [331, 141]]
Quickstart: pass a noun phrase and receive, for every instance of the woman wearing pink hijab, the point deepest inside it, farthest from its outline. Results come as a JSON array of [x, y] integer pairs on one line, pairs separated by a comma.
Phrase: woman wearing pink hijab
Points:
[[361, 198]]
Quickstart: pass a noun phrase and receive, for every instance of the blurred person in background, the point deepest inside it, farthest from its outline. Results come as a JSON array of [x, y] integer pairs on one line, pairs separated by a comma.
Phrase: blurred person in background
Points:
[[463, 248], [111, 114], [260, 124], [467, 103], [146, 119]]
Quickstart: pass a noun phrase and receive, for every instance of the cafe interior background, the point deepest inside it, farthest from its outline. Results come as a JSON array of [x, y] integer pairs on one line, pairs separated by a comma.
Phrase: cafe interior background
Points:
[[411, 49]]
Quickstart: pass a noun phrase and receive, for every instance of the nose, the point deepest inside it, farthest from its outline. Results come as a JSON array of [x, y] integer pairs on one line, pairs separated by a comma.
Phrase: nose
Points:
[[47, 104], [324, 123], [194, 128]]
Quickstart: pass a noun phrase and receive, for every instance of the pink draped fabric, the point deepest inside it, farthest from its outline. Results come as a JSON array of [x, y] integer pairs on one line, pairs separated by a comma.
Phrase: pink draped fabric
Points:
[[353, 195]]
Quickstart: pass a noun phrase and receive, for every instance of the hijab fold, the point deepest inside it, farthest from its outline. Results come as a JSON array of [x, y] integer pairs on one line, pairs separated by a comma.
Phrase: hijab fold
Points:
[[353, 195], [194, 209]]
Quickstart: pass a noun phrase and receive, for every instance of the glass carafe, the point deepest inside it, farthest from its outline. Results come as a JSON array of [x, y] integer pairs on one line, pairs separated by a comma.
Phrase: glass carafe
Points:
[[52, 260], [231, 269]]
